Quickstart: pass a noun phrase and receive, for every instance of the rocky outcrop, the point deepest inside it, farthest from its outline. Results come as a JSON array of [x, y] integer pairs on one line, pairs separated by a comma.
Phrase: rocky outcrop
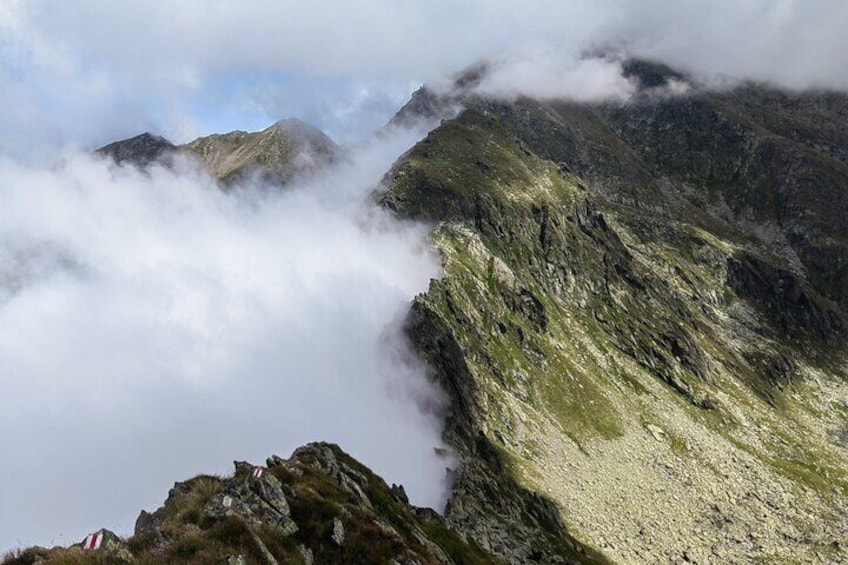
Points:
[[318, 506], [107, 546]]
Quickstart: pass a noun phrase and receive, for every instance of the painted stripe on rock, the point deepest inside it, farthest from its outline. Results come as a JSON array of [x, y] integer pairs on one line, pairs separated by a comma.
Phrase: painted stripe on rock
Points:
[[93, 541]]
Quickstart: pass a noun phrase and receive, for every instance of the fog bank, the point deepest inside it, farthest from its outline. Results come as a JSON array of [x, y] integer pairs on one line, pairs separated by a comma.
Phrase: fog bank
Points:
[[153, 327]]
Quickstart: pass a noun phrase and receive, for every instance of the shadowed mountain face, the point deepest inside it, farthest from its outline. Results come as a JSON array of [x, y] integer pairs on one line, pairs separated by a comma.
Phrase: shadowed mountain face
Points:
[[275, 155], [140, 150], [643, 319]]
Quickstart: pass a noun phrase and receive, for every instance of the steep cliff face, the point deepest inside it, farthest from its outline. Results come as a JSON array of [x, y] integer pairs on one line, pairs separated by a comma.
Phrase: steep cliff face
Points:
[[642, 322]]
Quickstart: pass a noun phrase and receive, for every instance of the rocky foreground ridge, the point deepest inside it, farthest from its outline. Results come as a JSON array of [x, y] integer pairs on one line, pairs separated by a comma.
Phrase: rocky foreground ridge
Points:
[[318, 506], [642, 329]]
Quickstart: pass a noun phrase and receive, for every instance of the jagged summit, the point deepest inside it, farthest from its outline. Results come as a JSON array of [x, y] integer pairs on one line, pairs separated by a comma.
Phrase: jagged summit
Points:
[[140, 150], [430, 104]]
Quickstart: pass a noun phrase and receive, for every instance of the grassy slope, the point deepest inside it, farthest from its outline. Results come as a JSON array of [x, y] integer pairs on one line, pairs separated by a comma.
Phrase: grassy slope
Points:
[[277, 152]]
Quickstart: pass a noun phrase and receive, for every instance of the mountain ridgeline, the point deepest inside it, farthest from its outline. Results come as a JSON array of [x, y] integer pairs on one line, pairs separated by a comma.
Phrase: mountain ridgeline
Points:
[[275, 155], [643, 319], [318, 506], [642, 330]]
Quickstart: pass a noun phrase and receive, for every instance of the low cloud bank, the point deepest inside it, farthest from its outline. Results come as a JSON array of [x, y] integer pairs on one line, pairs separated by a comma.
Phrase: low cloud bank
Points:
[[543, 73], [153, 327]]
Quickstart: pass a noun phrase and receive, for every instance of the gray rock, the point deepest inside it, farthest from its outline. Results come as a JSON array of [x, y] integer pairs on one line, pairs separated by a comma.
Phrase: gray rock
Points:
[[308, 557], [113, 546], [256, 500], [338, 532]]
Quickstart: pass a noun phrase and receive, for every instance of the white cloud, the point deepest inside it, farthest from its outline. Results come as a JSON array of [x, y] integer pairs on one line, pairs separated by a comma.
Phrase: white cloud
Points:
[[792, 43], [154, 327], [545, 74], [93, 70]]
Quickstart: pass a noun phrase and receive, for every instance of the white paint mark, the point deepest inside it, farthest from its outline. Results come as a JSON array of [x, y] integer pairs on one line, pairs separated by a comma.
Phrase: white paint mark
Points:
[[93, 541]]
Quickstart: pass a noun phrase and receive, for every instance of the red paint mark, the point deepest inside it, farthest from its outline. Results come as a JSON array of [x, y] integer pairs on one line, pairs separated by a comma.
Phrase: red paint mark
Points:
[[93, 541]]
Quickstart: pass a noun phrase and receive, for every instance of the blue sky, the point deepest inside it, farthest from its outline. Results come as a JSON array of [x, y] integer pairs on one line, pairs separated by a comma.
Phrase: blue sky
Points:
[[345, 108]]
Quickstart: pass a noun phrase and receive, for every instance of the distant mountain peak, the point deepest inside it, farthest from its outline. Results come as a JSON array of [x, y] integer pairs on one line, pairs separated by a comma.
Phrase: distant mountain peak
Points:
[[650, 74], [287, 148], [140, 150], [298, 131]]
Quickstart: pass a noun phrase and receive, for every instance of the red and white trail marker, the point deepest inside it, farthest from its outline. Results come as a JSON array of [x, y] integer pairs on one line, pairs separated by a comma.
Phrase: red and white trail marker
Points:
[[257, 472], [93, 541]]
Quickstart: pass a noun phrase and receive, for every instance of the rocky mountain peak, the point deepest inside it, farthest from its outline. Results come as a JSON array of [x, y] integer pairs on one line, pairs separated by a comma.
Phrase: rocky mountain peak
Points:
[[275, 155], [287, 149], [140, 150], [300, 132], [653, 296]]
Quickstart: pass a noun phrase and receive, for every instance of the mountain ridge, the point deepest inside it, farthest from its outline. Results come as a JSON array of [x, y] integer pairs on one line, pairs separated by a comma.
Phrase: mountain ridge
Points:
[[318, 506], [619, 277], [287, 149], [642, 321]]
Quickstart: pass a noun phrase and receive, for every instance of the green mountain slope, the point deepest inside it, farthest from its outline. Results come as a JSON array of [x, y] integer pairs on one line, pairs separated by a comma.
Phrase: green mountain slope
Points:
[[642, 322], [276, 154]]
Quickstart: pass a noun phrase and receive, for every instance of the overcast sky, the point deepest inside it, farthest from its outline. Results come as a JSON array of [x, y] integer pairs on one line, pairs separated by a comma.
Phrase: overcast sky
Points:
[[152, 327], [88, 71]]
